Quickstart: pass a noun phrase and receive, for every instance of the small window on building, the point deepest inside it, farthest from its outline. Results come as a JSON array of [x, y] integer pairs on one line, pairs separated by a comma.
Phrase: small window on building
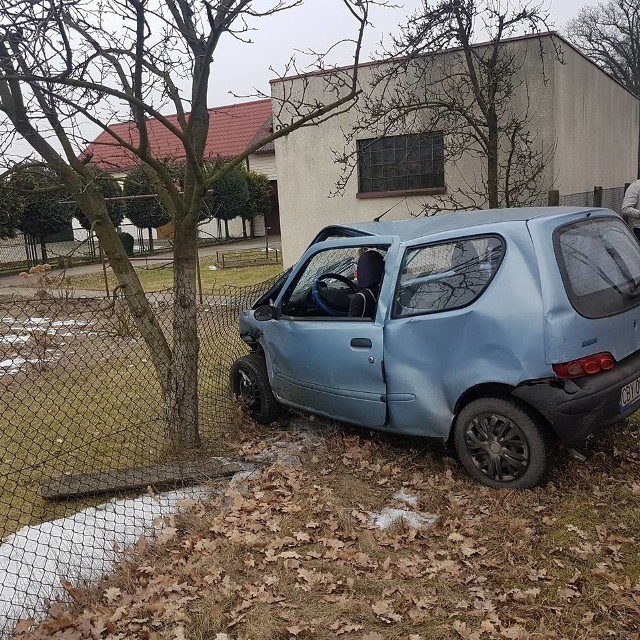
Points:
[[411, 162], [446, 276]]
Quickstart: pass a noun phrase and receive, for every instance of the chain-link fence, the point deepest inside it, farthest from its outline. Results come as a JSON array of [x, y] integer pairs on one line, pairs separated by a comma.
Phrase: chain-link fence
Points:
[[598, 197], [82, 423]]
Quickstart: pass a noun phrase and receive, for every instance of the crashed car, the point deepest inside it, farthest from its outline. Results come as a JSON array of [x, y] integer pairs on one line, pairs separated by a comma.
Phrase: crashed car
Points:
[[500, 333]]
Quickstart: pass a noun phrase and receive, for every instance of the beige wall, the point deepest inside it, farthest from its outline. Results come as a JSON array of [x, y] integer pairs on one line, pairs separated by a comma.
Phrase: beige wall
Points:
[[596, 125], [308, 172]]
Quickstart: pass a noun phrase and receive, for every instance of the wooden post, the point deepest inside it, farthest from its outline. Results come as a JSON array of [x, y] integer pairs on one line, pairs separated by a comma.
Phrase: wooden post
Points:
[[104, 272], [199, 275], [553, 198], [597, 196]]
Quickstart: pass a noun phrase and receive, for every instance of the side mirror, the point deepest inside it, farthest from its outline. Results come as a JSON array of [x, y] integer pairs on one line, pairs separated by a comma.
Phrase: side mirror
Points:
[[265, 312]]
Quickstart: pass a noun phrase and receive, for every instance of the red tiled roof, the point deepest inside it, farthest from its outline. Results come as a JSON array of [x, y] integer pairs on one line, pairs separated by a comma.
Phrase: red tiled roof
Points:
[[231, 129]]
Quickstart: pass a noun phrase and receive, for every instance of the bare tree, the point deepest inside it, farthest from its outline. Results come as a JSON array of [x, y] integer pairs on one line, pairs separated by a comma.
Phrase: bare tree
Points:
[[475, 97], [68, 63], [609, 34]]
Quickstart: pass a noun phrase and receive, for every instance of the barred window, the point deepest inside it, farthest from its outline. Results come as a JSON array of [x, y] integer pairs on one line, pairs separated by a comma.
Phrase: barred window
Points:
[[401, 163]]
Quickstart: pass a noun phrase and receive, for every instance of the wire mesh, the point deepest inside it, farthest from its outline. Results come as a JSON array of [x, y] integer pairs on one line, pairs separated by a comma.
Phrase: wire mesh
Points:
[[612, 199], [584, 199], [14, 254], [79, 395]]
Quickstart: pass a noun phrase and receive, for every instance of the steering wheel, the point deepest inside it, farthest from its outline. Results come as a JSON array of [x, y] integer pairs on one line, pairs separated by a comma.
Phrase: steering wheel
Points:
[[323, 304]]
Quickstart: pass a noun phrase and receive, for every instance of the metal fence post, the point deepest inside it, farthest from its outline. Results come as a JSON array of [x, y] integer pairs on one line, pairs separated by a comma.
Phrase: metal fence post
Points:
[[43, 250], [597, 196], [199, 274], [104, 273]]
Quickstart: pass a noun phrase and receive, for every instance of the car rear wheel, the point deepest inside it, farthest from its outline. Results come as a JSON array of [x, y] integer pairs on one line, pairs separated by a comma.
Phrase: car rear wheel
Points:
[[502, 444], [250, 386]]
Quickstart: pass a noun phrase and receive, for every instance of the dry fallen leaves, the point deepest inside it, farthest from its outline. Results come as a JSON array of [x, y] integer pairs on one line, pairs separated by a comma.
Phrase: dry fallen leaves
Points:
[[292, 556]]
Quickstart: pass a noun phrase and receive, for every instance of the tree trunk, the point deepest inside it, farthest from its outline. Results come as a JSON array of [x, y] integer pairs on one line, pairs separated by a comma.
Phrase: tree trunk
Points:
[[244, 228], [226, 229], [150, 240], [43, 250], [181, 395]]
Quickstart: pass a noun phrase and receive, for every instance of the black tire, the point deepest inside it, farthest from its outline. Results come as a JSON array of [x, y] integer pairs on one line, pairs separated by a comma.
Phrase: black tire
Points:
[[503, 445], [250, 386]]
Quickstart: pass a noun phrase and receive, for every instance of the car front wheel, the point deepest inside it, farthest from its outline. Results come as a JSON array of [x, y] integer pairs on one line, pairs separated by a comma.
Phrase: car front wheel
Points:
[[250, 386], [502, 444]]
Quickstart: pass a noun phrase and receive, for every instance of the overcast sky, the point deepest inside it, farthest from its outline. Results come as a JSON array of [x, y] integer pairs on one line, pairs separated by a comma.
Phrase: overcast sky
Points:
[[241, 68]]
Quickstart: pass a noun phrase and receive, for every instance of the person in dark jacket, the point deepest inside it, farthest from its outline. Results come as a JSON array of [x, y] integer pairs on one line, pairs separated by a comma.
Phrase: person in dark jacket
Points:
[[369, 274]]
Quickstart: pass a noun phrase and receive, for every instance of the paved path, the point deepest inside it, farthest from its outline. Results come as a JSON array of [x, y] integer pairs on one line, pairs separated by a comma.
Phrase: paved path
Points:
[[14, 285]]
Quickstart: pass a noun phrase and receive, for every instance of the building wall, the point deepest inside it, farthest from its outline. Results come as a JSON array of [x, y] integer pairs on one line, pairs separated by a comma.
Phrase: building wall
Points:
[[596, 126], [308, 172]]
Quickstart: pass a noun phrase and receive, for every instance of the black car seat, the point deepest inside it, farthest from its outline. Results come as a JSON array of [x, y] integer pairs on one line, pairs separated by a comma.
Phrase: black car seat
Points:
[[370, 270]]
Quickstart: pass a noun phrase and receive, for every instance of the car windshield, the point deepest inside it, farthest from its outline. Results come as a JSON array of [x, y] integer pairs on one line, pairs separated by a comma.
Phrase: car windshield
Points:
[[599, 260]]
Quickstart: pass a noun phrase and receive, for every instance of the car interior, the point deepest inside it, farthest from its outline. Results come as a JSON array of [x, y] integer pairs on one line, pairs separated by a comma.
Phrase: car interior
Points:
[[326, 285]]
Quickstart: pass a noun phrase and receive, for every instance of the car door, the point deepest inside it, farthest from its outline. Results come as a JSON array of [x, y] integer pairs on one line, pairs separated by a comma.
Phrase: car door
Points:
[[329, 365]]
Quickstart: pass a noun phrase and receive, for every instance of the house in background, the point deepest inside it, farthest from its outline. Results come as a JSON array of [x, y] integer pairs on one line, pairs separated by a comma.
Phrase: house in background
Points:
[[587, 119], [232, 128]]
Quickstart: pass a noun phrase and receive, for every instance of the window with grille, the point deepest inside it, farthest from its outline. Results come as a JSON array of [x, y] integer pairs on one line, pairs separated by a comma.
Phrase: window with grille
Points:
[[401, 163]]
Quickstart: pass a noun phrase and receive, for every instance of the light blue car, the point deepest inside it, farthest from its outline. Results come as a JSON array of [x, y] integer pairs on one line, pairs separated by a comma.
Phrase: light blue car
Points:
[[497, 332]]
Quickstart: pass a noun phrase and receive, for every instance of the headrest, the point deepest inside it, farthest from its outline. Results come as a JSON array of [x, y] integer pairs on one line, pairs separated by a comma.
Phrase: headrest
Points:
[[370, 269]]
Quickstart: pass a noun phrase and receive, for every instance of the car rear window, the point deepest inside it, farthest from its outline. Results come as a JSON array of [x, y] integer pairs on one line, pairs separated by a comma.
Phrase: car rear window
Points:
[[446, 276], [599, 260]]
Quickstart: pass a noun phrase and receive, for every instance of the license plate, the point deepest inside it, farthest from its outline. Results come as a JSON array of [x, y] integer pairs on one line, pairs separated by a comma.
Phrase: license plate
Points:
[[629, 394]]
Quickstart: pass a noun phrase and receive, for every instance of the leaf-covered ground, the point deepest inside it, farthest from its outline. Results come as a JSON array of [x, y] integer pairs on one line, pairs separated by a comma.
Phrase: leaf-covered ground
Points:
[[290, 553]]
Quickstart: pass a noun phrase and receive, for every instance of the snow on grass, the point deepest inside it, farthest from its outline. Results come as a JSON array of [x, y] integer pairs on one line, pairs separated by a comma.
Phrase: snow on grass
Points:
[[408, 517], [13, 339], [36, 327], [412, 519], [80, 548]]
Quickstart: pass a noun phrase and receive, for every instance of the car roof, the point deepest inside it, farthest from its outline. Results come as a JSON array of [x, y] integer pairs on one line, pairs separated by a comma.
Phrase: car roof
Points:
[[417, 228]]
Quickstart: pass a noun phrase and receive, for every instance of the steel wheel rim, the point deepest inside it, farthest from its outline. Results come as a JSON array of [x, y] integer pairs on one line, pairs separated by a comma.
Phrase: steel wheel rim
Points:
[[248, 390], [497, 446]]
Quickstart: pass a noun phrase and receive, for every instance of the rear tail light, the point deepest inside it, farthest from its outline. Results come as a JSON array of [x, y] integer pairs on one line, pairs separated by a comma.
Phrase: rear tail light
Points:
[[585, 366]]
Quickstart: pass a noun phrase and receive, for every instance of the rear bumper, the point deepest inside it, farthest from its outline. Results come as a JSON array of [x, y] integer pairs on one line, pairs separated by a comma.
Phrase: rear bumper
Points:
[[578, 408]]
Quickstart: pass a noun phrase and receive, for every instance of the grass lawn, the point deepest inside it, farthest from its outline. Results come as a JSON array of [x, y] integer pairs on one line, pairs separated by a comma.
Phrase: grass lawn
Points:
[[292, 554], [157, 278]]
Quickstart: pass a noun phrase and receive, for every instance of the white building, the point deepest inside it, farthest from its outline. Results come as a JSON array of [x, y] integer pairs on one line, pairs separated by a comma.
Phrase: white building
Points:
[[588, 123]]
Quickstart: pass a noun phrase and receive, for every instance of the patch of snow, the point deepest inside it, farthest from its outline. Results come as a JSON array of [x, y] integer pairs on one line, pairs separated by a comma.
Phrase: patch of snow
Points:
[[46, 325], [413, 519], [406, 497], [38, 321], [16, 364], [13, 339], [213, 268], [80, 548], [16, 361], [70, 323]]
